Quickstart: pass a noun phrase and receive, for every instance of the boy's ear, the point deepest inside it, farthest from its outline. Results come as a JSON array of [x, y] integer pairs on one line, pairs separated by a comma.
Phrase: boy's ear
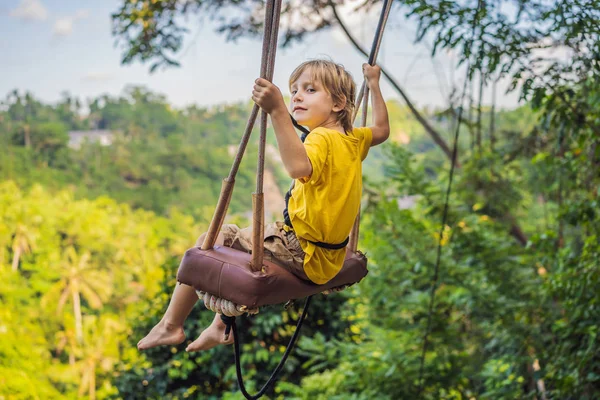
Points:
[[337, 107]]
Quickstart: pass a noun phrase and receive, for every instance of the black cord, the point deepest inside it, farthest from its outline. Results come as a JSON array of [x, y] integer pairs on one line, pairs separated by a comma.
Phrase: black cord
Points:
[[445, 213], [230, 324], [304, 131]]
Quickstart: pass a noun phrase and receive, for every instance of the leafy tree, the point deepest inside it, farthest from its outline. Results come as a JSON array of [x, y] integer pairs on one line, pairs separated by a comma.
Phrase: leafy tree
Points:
[[160, 157], [48, 355]]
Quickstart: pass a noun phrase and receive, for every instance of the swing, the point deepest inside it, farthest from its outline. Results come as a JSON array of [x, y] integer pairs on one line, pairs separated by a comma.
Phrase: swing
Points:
[[233, 282]]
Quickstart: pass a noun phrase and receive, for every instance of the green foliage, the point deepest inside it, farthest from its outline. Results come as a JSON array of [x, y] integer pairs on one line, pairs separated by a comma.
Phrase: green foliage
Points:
[[73, 273], [508, 319], [172, 373], [517, 296], [159, 158], [24, 358]]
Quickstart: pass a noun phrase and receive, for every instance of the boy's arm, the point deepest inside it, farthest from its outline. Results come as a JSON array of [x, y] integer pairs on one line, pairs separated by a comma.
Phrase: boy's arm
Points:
[[381, 123], [293, 154]]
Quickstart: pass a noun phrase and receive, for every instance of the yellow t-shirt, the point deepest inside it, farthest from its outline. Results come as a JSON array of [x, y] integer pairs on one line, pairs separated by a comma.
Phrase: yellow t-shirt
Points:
[[323, 207]]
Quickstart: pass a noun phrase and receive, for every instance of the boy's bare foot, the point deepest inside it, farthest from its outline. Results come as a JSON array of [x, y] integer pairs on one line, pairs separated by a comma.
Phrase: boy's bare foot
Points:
[[162, 334], [211, 336]]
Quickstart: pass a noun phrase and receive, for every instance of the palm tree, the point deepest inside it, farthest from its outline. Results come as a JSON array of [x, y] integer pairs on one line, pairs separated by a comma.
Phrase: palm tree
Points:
[[102, 335], [5, 236], [22, 244], [101, 351], [79, 280], [66, 340]]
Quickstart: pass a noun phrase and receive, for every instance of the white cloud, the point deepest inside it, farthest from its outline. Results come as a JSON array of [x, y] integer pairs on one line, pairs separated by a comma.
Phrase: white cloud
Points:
[[30, 10], [64, 26]]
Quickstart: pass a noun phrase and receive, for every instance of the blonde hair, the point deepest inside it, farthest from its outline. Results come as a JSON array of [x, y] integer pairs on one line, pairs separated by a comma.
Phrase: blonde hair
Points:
[[337, 82]]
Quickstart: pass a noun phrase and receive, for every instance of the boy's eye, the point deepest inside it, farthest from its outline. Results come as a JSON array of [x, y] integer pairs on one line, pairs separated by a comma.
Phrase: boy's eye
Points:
[[310, 90], [294, 92]]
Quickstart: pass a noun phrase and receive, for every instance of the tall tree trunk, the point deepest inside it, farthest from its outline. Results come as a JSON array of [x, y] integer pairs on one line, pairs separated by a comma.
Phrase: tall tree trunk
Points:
[[27, 135], [532, 369], [559, 200], [493, 117], [77, 312], [515, 229], [16, 257], [93, 381], [470, 119], [541, 387], [479, 133], [530, 379]]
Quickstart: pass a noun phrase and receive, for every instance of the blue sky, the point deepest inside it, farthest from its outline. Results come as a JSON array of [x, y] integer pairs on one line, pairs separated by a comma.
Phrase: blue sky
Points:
[[52, 46]]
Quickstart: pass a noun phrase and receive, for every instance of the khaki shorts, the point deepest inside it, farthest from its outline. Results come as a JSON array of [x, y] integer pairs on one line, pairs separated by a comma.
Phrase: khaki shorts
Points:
[[281, 247]]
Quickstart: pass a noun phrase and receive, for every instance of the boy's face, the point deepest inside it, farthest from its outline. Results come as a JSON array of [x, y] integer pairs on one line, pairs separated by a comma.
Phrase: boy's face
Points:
[[311, 105]]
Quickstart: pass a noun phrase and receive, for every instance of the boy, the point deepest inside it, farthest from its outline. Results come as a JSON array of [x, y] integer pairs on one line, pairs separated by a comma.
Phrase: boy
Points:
[[324, 203]]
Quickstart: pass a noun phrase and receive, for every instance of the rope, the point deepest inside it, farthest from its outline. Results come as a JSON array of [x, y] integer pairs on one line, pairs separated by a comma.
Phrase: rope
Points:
[[364, 90], [226, 307], [272, 16], [230, 324], [228, 183], [223, 306], [445, 213], [271, 32], [364, 94]]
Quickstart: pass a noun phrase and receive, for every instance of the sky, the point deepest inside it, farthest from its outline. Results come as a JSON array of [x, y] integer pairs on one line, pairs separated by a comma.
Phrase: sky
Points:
[[48, 47]]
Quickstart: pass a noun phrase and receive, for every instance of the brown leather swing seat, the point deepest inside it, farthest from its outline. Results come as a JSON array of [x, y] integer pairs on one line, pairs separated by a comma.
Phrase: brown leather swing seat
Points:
[[226, 273]]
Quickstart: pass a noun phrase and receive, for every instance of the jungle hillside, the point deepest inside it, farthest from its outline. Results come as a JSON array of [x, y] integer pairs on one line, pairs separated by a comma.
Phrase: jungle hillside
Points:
[[481, 223]]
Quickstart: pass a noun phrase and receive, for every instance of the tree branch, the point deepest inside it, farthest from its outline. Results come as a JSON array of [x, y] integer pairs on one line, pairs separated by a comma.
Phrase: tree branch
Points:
[[437, 138], [515, 229]]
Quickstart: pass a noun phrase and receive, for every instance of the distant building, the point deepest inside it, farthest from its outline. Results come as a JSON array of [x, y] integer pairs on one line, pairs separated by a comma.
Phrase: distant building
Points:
[[77, 138], [407, 202]]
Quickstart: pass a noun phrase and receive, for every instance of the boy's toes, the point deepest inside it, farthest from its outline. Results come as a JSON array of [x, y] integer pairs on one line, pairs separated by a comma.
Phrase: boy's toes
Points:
[[208, 339], [160, 335]]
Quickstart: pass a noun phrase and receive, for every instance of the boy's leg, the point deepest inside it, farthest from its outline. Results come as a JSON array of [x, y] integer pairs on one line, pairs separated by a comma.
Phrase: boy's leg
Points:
[[214, 334], [169, 330], [211, 336]]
